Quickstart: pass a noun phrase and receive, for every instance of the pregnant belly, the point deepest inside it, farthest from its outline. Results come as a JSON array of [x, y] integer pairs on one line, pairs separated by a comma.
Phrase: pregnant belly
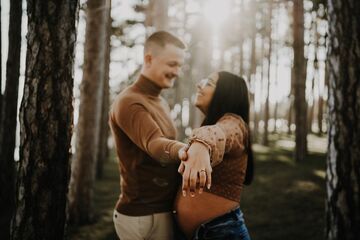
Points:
[[192, 211]]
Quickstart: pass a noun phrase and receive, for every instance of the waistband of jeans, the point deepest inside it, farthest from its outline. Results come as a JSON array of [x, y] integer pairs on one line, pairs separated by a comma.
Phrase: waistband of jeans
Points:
[[235, 214]]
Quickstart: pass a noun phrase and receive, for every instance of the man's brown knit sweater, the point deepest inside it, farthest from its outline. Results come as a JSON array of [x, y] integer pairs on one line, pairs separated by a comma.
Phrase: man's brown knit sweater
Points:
[[148, 154]]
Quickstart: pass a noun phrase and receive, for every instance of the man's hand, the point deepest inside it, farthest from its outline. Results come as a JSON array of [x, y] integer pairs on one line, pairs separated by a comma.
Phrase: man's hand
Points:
[[196, 167]]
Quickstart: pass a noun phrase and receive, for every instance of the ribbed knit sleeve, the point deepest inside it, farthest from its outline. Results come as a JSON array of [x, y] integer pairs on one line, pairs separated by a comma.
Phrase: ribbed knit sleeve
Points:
[[138, 124]]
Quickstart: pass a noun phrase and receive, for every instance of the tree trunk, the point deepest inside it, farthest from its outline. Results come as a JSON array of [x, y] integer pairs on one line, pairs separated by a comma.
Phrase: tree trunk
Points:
[[157, 14], [1, 95], [321, 104], [104, 132], [312, 107], [241, 37], [299, 82], [267, 103], [343, 162], [8, 120], [291, 101], [253, 65], [46, 119], [88, 129], [201, 49], [160, 15], [315, 39], [276, 84], [320, 114], [261, 115]]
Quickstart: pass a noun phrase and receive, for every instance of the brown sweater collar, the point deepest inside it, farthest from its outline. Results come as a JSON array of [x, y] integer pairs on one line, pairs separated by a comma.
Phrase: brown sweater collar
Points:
[[148, 87]]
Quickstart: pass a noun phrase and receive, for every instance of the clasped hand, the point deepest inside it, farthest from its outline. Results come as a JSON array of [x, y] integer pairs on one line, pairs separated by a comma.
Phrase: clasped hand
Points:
[[195, 168]]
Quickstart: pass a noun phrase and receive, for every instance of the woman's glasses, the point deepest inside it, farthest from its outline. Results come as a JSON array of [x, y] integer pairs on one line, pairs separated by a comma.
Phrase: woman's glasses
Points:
[[207, 82]]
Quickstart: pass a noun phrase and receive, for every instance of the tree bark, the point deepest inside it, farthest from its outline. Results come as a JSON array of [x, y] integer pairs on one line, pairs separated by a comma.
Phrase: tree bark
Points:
[[104, 131], [299, 82], [8, 120], [88, 130], [343, 162], [46, 119]]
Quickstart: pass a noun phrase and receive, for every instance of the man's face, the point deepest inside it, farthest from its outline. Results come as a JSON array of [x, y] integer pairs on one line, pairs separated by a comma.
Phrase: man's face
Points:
[[164, 65]]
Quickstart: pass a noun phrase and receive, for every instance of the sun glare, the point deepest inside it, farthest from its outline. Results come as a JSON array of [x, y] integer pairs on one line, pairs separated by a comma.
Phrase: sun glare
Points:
[[216, 11]]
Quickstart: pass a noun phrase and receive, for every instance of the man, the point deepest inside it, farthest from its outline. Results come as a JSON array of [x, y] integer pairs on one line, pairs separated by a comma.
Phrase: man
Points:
[[145, 143]]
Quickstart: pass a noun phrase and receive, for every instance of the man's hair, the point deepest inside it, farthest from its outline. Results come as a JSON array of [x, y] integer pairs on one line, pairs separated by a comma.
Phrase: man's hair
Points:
[[162, 38]]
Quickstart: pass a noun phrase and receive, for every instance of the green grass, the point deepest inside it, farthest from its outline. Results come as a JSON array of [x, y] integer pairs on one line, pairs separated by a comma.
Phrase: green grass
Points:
[[286, 199], [285, 202]]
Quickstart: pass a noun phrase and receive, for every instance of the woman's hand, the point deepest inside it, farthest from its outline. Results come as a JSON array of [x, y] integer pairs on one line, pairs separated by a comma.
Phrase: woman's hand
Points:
[[182, 154], [197, 168]]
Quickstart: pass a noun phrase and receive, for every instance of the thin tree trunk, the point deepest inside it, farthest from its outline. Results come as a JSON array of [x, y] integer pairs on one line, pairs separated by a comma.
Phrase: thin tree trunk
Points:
[[313, 30], [261, 115], [320, 108], [241, 55], [276, 50], [276, 85], [160, 17], [46, 120], [253, 65], [291, 101], [290, 115], [241, 38], [157, 14], [184, 87], [343, 162], [88, 131], [320, 114], [312, 107], [8, 120], [299, 82], [267, 108], [267, 103], [202, 49], [291, 94], [104, 132]]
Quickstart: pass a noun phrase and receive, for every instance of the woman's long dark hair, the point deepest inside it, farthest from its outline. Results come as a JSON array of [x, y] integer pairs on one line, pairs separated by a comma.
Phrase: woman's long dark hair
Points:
[[231, 96]]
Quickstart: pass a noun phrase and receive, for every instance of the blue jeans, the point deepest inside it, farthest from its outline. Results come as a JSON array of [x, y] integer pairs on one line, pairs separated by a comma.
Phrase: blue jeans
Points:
[[230, 226]]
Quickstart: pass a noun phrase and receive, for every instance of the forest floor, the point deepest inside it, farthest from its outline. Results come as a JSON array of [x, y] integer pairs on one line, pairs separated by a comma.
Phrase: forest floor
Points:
[[285, 202]]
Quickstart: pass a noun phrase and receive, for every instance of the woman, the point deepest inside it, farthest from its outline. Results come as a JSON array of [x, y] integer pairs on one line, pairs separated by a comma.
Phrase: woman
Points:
[[215, 214]]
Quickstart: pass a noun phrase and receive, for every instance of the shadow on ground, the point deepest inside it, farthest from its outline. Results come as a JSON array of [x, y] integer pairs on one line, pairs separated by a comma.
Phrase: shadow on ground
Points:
[[287, 199], [285, 202]]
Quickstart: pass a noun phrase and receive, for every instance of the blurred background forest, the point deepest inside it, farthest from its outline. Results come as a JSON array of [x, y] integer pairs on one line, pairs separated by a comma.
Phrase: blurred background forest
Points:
[[279, 47]]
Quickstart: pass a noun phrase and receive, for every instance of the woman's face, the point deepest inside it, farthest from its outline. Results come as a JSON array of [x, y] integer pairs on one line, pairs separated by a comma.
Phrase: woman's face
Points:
[[205, 92]]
